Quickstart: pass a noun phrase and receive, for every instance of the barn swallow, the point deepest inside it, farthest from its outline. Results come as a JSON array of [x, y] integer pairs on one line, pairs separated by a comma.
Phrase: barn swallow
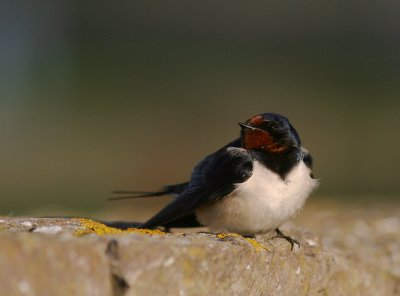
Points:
[[252, 185]]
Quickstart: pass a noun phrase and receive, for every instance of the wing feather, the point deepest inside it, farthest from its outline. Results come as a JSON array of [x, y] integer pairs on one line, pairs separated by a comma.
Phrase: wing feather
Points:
[[212, 179]]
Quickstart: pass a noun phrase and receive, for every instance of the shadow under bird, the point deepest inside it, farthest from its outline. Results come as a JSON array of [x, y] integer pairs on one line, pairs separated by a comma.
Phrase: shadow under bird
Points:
[[252, 185]]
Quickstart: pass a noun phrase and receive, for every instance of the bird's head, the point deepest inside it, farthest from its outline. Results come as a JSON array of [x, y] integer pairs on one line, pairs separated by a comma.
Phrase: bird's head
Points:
[[269, 132]]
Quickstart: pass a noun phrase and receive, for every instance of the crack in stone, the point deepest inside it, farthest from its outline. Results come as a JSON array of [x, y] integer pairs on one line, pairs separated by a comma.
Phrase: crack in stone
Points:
[[119, 283], [112, 250]]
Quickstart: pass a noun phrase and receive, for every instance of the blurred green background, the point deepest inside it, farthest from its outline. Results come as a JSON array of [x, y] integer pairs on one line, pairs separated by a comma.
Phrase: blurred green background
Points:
[[97, 96]]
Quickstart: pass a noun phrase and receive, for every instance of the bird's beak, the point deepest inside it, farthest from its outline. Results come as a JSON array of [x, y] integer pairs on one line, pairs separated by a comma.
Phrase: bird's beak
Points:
[[245, 126]]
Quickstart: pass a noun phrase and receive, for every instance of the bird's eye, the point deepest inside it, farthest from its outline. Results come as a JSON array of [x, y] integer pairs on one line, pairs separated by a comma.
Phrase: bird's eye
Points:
[[272, 125]]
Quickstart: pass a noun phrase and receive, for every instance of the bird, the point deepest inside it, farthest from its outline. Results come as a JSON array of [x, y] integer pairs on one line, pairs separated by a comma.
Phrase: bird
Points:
[[250, 186]]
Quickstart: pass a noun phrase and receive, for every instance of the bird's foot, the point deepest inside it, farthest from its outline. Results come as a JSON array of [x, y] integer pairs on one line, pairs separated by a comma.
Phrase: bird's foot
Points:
[[280, 234]]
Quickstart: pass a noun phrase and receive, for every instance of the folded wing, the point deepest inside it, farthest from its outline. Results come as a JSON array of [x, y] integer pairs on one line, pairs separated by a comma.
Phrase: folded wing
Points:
[[212, 179]]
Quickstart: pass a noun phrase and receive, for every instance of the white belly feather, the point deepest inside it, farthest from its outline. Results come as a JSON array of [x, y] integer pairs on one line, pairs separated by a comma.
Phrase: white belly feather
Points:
[[262, 203]]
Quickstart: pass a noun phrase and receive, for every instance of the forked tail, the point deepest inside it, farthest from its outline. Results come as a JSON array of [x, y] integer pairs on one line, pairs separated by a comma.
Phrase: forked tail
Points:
[[167, 190]]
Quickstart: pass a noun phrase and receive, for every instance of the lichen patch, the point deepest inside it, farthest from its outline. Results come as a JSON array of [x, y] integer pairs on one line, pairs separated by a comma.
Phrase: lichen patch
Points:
[[257, 246], [98, 228]]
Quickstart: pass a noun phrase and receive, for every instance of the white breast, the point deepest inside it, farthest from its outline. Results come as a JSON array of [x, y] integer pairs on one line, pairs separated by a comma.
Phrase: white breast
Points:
[[262, 203]]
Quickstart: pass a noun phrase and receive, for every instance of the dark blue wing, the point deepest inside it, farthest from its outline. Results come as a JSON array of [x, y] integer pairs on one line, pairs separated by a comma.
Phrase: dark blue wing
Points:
[[212, 179]]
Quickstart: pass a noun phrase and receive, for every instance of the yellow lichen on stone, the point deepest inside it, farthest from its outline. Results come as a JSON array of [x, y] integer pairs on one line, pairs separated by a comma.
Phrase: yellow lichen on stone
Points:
[[102, 229], [228, 234], [257, 246], [254, 243]]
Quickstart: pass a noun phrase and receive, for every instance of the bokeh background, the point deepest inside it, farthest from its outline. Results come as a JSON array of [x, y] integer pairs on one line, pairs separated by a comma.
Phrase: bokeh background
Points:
[[97, 96]]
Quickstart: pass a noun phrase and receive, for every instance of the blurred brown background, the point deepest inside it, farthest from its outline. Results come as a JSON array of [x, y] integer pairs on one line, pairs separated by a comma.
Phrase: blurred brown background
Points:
[[97, 96]]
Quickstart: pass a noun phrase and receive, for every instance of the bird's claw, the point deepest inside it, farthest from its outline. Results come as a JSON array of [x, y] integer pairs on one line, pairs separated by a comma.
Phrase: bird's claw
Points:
[[292, 241]]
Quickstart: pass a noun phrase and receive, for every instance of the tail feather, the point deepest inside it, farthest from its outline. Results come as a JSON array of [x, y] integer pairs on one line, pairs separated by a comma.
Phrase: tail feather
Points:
[[136, 194], [167, 190], [122, 225]]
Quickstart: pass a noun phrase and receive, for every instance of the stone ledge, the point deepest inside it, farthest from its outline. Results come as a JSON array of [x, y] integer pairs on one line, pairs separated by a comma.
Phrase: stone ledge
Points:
[[46, 257]]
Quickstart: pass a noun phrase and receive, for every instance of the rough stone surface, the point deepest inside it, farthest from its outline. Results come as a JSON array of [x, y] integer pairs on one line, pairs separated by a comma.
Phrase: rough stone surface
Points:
[[69, 257], [43, 264]]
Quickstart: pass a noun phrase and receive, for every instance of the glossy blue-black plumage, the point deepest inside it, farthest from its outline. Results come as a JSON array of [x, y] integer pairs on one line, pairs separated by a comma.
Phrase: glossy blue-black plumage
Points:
[[212, 179], [216, 175]]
